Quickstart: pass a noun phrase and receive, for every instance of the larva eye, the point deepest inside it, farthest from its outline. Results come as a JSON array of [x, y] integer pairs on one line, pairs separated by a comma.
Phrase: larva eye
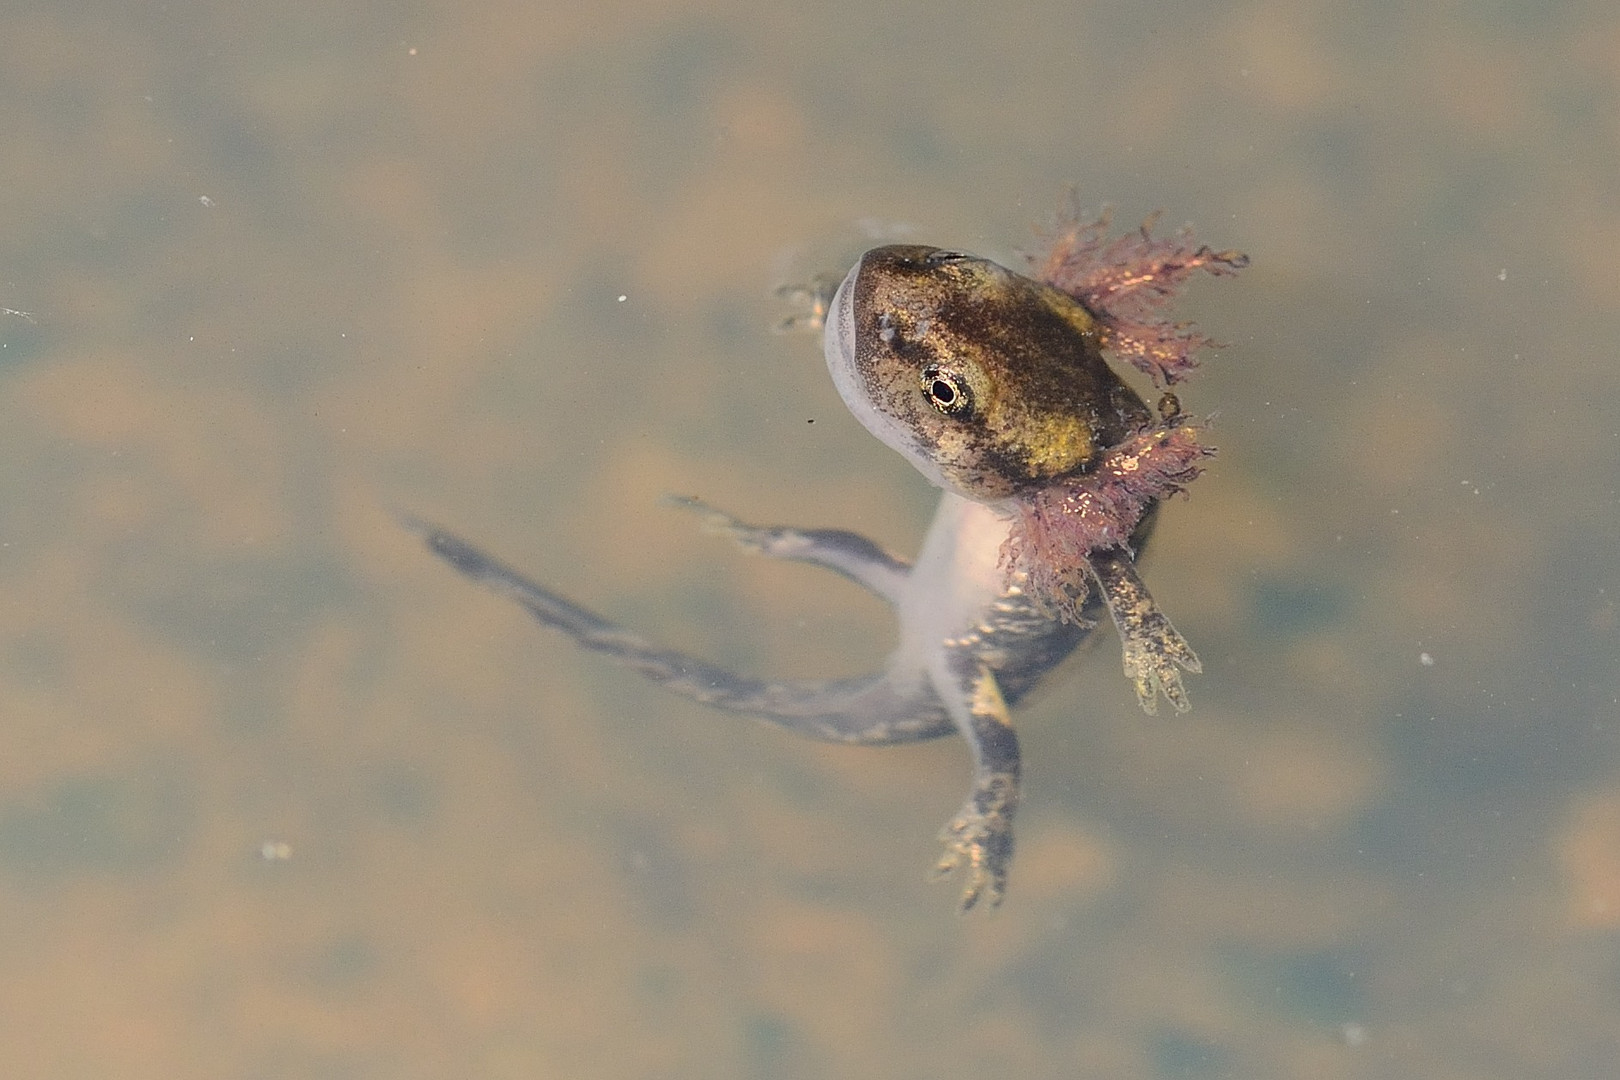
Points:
[[947, 391]]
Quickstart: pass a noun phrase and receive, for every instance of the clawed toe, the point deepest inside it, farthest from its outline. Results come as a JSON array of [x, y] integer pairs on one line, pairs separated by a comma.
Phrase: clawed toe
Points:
[[1151, 658], [981, 844]]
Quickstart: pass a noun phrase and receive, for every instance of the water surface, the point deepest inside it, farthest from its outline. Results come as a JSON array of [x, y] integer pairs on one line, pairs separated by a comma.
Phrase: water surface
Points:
[[281, 796]]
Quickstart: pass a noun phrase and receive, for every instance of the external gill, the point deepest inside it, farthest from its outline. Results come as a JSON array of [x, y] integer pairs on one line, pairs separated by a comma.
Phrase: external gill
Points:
[[812, 299], [1128, 281], [1083, 528]]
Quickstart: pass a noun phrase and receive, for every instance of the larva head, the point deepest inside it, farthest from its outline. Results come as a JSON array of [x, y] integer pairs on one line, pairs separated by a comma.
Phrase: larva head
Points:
[[990, 383]]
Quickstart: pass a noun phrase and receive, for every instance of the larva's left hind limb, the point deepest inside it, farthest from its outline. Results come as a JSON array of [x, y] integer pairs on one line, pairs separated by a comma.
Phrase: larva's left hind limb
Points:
[[979, 839]]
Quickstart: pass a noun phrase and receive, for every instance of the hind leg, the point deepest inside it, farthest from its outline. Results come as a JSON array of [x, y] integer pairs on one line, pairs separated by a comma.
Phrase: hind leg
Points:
[[979, 839]]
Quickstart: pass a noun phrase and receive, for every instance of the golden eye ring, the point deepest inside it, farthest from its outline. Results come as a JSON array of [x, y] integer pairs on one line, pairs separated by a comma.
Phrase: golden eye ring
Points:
[[947, 391]]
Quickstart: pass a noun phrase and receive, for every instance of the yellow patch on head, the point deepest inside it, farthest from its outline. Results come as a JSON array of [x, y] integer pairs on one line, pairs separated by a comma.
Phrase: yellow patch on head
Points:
[[1057, 444]]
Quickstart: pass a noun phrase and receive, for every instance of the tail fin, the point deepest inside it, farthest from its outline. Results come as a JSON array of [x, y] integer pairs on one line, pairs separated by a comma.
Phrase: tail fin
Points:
[[873, 709]]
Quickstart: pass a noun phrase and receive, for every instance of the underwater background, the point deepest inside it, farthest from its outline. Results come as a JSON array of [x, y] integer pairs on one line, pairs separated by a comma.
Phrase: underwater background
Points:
[[281, 796]]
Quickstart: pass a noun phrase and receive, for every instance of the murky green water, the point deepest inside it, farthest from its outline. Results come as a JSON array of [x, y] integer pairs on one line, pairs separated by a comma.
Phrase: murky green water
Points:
[[281, 796]]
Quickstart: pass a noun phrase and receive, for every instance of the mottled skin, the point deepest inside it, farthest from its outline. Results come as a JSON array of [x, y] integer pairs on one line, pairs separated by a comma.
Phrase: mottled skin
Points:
[[991, 384]]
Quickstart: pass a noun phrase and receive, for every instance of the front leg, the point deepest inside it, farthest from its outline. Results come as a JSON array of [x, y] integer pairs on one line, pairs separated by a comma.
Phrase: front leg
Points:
[[846, 553], [1152, 647], [980, 838]]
